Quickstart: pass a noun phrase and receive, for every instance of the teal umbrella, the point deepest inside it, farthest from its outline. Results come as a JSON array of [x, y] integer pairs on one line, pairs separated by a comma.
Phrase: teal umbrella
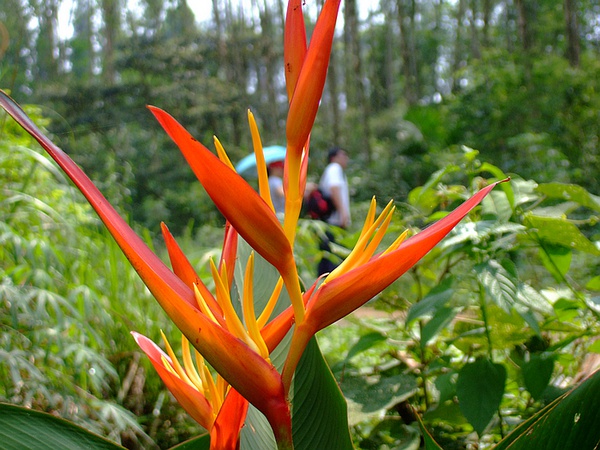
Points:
[[247, 165]]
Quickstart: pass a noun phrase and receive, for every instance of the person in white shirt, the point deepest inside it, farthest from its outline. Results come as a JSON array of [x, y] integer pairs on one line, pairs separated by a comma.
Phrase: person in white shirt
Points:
[[334, 184], [275, 171]]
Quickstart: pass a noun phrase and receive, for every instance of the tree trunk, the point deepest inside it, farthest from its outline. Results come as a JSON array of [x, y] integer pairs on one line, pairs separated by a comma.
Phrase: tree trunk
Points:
[[406, 25], [112, 22], [458, 46], [572, 31], [475, 52], [46, 42], [354, 80]]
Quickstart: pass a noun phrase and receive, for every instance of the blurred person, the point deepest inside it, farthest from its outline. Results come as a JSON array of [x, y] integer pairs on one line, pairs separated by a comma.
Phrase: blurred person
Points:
[[275, 171], [334, 186]]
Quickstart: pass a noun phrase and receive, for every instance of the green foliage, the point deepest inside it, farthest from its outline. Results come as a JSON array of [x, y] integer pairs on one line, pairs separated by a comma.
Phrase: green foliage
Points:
[[498, 319]]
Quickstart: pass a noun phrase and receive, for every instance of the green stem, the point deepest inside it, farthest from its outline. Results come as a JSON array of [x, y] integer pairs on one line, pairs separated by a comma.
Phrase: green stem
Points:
[[484, 316], [488, 336]]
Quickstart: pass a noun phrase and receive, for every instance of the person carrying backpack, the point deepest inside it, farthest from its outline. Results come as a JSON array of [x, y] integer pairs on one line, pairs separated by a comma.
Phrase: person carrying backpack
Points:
[[333, 187]]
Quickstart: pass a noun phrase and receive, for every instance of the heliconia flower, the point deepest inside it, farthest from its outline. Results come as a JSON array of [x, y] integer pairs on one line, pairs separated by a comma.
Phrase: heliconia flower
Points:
[[213, 404], [246, 370], [362, 276]]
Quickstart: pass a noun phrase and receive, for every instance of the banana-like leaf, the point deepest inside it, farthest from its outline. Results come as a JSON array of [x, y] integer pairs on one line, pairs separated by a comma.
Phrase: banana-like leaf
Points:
[[26, 429], [572, 421]]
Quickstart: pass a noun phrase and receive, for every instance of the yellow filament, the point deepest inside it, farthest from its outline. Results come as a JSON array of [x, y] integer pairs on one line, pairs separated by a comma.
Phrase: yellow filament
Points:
[[248, 309], [175, 362], [210, 391], [234, 324], [375, 241], [202, 304], [190, 369], [369, 218], [270, 306], [167, 365], [222, 386], [222, 153], [261, 165], [362, 247], [399, 240]]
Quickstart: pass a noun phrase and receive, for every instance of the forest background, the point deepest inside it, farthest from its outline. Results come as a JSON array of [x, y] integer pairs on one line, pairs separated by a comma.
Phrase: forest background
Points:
[[516, 80], [413, 86]]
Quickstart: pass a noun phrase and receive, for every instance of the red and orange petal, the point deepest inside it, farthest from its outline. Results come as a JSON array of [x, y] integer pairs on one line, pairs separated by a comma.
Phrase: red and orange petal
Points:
[[234, 197], [294, 44], [311, 80], [225, 433], [193, 401]]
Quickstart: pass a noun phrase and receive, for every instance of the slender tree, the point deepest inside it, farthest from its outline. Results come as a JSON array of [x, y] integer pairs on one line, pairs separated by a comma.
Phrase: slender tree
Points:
[[355, 87], [111, 21], [82, 45], [46, 43], [572, 32]]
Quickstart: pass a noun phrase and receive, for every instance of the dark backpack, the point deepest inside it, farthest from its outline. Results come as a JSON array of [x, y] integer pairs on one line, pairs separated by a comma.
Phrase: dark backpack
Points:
[[319, 206]]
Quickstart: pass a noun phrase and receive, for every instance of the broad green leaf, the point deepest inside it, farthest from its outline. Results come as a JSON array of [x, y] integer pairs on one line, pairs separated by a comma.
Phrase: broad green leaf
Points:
[[500, 175], [197, 443], [319, 415], [593, 284], [556, 260], [365, 342], [537, 373], [435, 299], [26, 429], [566, 310], [571, 192], [442, 317], [475, 232], [446, 386], [532, 299], [392, 432], [425, 197], [257, 432], [560, 231], [479, 388], [525, 191], [499, 283], [430, 443], [570, 422], [498, 205], [371, 395]]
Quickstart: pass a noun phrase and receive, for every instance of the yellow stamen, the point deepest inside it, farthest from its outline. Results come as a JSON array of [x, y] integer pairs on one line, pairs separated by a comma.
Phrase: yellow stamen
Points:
[[175, 362], [167, 365], [261, 165], [399, 240], [222, 153], [234, 324], [375, 241], [190, 369], [222, 386], [369, 218], [248, 309], [210, 391], [202, 304], [270, 306], [362, 251]]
